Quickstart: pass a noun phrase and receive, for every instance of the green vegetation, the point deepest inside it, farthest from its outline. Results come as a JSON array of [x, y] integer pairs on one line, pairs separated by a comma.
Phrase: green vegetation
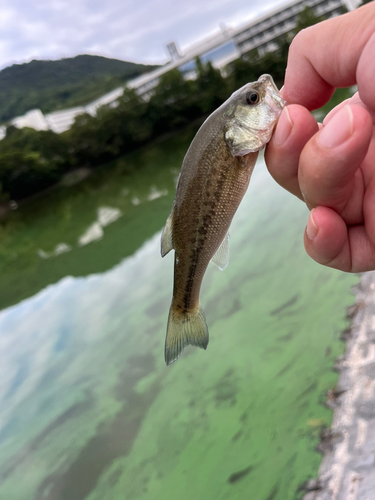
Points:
[[31, 161], [52, 85]]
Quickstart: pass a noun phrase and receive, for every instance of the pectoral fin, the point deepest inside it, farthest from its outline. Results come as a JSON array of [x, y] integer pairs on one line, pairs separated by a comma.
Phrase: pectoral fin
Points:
[[221, 257], [167, 236]]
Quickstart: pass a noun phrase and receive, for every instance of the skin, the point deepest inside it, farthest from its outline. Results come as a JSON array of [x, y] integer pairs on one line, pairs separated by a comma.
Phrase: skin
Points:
[[214, 177], [211, 186], [202, 217], [330, 166]]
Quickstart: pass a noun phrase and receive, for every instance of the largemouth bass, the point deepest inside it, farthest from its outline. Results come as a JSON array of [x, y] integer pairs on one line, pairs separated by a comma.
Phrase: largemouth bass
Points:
[[214, 177]]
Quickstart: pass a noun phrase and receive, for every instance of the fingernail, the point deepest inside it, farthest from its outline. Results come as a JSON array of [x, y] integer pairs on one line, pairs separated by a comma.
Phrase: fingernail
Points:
[[338, 129], [311, 227], [335, 110], [283, 128]]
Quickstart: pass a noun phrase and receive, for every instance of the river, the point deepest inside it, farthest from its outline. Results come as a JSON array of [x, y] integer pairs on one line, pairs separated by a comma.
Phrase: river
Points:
[[88, 409]]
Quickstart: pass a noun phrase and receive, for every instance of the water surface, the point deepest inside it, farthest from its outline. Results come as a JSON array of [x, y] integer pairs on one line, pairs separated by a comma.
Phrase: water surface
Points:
[[88, 409]]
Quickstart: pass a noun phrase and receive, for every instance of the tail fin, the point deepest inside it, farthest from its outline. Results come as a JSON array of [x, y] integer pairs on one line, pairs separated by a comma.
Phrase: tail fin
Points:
[[184, 329]]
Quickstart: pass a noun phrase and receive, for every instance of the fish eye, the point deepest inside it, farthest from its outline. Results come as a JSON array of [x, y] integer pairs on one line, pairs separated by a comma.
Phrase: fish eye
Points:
[[252, 98]]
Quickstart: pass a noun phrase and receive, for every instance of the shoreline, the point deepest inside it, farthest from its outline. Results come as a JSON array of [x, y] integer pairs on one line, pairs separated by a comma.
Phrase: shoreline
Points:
[[79, 174], [347, 468]]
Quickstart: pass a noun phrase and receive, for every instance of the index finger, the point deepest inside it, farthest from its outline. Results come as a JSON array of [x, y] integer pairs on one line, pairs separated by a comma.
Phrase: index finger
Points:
[[338, 52]]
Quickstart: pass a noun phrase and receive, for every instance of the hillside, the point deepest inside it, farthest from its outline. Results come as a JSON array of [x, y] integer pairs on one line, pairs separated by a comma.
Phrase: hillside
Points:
[[52, 85]]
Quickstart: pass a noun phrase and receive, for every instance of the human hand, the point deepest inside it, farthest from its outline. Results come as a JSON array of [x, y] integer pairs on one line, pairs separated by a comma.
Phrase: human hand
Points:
[[331, 166]]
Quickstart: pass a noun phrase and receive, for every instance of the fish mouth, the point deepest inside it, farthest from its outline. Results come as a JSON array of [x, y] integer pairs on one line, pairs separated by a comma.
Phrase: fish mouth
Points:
[[274, 100], [273, 96]]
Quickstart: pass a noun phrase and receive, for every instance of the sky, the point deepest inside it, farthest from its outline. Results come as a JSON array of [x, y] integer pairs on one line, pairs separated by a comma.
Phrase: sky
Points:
[[131, 30]]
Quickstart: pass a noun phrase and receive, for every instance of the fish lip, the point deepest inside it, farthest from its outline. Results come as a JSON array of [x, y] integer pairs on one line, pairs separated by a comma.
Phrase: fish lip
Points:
[[276, 99], [273, 92]]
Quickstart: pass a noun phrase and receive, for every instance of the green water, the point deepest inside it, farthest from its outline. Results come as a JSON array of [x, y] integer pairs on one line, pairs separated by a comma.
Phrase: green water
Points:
[[88, 409]]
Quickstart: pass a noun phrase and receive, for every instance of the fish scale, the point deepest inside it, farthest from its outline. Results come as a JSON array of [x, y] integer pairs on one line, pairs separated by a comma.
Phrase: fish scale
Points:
[[214, 177]]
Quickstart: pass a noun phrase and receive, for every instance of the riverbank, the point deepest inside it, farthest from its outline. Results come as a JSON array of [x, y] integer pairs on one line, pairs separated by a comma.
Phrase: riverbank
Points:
[[79, 174], [347, 468]]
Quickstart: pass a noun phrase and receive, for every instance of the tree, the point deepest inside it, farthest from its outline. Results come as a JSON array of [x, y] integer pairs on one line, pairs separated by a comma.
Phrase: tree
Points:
[[211, 88], [173, 104], [307, 18]]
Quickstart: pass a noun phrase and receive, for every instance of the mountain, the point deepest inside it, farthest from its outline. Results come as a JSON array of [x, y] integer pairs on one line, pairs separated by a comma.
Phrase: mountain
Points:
[[53, 85]]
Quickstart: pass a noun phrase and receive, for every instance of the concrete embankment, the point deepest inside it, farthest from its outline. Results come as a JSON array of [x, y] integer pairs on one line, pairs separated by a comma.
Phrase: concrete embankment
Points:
[[347, 471]]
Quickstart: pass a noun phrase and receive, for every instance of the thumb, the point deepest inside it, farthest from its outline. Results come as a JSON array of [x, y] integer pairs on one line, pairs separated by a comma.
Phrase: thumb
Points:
[[338, 52]]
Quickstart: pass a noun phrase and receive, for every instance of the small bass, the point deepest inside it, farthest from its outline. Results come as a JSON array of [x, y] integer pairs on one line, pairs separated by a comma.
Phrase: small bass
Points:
[[214, 177]]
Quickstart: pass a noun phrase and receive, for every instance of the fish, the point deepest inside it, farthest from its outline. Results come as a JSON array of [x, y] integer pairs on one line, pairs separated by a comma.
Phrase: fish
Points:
[[214, 177]]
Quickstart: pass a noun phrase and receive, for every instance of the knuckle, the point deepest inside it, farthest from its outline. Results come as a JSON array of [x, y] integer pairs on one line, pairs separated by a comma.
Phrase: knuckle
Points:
[[299, 41]]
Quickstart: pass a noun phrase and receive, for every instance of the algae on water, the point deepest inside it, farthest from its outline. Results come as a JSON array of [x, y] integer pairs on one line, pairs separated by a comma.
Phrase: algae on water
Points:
[[88, 409]]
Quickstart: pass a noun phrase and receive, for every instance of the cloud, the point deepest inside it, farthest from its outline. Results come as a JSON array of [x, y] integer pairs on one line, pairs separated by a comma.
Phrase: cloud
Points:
[[120, 29], [31, 330]]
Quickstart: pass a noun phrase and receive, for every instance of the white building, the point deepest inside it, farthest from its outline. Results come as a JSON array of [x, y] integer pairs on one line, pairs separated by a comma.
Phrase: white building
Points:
[[34, 119], [3, 131], [262, 33], [221, 49]]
